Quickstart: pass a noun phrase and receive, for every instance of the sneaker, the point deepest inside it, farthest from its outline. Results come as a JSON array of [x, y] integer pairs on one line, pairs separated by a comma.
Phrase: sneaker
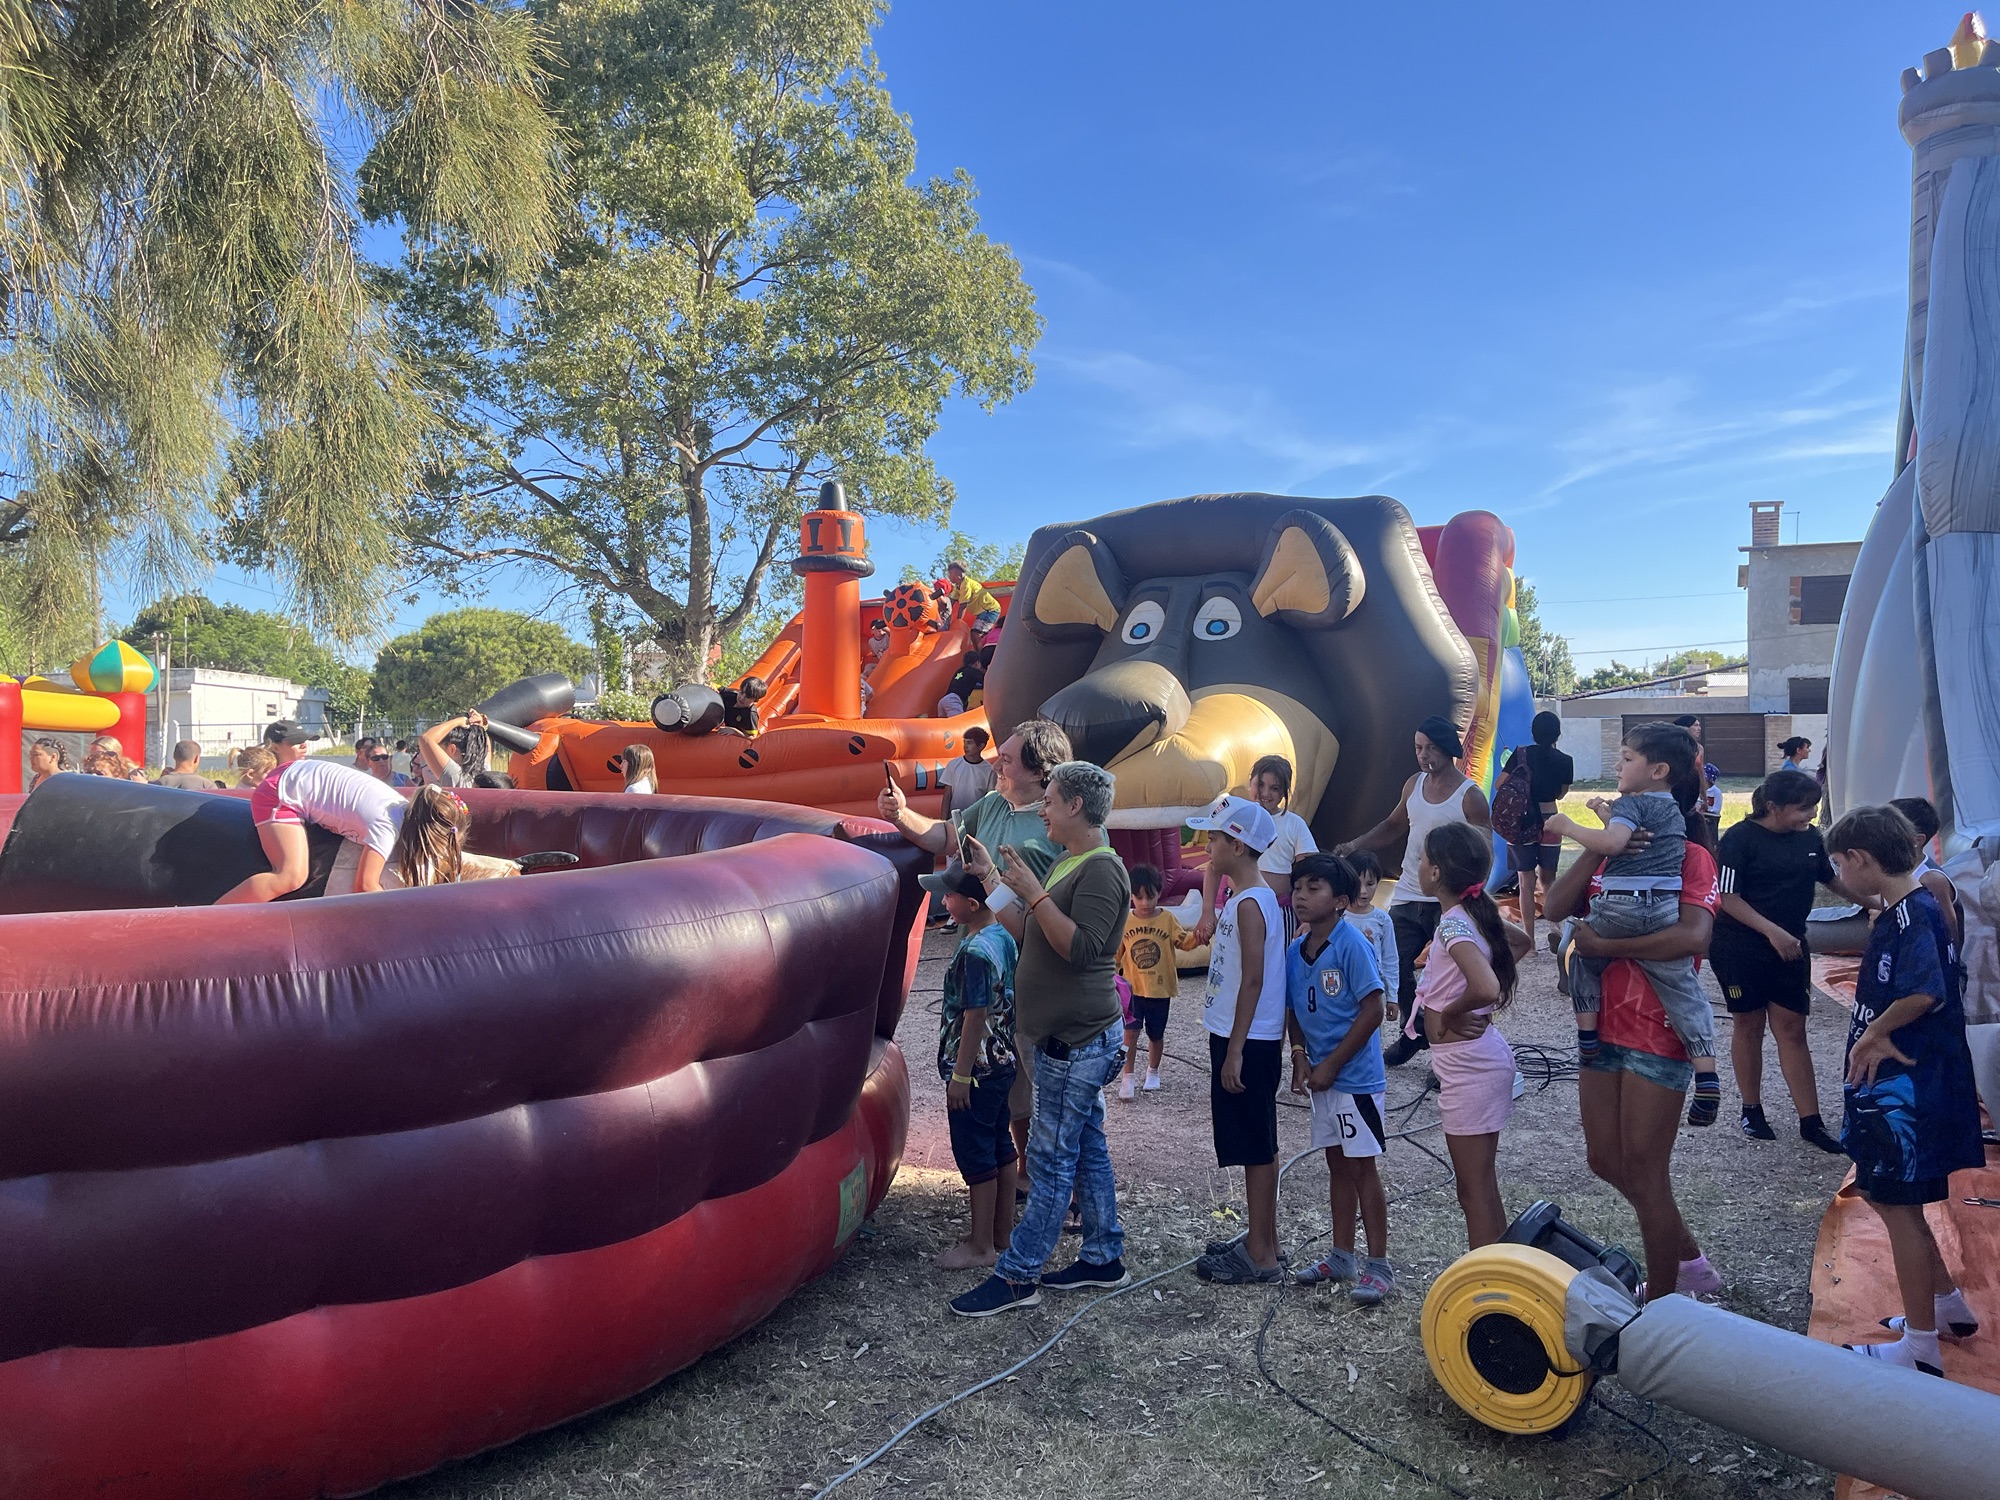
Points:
[[1234, 1267], [996, 1294], [1948, 1331], [1755, 1126], [1897, 1353], [1372, 1287], [1697, 1278], [1406, 1048], [1082, 1276], [1222, 1247], [1815, 1135], [1335, 1265], [1152, 1081], [1125, 1090]]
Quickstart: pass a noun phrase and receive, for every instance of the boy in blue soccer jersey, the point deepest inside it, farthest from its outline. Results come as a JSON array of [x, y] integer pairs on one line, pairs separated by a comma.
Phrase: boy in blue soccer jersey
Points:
[[1912, 1115], [1333, 996]]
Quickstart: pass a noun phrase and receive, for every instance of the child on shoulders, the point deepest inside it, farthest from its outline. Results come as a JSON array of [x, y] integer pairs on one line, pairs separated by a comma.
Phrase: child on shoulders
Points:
[[1334, 994], [976, 1059], [1639, 896]]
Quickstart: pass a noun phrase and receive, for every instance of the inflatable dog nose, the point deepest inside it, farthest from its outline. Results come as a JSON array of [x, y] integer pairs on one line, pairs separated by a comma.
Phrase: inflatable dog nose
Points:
[[1119, 708]]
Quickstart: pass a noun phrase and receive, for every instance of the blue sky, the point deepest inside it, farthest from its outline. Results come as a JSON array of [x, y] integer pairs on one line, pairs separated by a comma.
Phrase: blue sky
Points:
[[1610, 273]]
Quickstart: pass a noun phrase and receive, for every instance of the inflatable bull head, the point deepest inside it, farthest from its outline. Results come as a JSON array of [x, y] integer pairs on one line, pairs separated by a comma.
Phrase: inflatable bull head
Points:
[[1179, 642]]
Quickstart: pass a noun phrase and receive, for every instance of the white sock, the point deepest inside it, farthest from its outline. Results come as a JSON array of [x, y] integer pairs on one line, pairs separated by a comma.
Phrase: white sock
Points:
[[1923, 1345], [1953, 1308]]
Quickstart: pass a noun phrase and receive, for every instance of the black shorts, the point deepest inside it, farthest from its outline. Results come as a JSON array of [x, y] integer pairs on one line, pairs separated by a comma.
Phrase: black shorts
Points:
[[1149, 1013], [981, 1142], [1537, 856], [1246, 1124], [1751, 976], [1899, 1191]]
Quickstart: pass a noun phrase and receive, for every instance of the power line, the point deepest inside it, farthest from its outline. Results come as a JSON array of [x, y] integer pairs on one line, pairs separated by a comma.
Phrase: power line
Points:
[[1685, 646], [1642, 598]]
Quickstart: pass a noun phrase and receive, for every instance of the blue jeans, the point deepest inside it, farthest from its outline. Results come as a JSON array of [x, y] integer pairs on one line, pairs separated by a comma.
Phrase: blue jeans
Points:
[[1067, 1153]]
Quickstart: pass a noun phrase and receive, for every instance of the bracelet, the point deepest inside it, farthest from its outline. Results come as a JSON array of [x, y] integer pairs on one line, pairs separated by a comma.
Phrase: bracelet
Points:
[[1299, 1047], [1038, 900], [961, 1078]]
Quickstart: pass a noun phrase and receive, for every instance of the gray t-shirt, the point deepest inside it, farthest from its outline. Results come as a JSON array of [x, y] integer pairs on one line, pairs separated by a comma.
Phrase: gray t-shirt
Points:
[[994, 821], [1657, 867], [187, 781]]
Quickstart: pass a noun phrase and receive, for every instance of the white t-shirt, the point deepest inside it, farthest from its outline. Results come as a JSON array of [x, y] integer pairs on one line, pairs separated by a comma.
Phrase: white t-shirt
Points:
[[1294, 838], [643, 786], [352, 803], [1225, 968], [969, 780]]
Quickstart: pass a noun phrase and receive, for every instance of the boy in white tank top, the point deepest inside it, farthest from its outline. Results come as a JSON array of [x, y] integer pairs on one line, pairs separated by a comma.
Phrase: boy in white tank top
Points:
[[1245, 1018]]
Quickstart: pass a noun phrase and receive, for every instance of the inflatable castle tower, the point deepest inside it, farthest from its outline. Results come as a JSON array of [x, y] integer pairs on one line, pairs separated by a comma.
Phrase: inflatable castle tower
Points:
[[1915, 705]]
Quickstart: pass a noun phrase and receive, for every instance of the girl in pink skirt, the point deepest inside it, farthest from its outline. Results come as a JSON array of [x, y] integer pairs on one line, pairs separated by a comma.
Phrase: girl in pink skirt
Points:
[[1470, 974]]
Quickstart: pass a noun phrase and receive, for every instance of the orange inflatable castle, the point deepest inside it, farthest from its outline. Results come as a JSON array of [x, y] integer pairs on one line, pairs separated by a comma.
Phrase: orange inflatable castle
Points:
[[836, 706]]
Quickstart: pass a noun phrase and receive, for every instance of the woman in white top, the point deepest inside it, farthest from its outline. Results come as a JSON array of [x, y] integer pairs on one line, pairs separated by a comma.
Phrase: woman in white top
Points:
[[1271, 789], [1438, 793], [638, 762]]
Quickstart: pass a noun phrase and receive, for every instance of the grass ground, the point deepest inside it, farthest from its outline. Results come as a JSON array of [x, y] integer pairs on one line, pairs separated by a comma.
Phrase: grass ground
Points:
[[1158, 1394]]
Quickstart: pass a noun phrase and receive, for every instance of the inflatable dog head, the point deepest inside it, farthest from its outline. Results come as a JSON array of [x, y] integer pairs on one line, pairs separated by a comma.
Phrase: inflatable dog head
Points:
[[1179, 642]]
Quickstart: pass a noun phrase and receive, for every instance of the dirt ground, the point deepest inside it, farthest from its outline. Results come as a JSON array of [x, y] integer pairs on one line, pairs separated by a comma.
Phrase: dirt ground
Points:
[[1158, 1393]]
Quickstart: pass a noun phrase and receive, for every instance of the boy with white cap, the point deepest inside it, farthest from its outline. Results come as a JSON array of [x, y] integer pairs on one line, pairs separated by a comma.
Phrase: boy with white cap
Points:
[[1245, 1017]]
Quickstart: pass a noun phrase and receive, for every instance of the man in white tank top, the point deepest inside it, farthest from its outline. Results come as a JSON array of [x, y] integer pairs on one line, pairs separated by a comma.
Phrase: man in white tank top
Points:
[[1438, 793]]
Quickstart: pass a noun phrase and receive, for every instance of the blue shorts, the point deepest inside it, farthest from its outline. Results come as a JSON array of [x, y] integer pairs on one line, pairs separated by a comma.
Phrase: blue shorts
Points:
[[985, 620], [1668, 1072], [1151, 1014], [981, 1142]]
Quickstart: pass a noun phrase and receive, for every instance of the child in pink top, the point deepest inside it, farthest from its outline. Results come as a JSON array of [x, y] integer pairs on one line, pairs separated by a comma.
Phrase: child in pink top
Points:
[[1470, 975]]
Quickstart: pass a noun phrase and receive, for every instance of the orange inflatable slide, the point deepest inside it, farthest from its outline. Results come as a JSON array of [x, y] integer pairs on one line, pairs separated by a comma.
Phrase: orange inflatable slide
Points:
[[829, 718]]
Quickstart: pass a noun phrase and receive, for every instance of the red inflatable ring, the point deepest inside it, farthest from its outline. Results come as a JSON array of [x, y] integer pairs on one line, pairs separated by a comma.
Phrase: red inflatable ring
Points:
[[296, 1200]]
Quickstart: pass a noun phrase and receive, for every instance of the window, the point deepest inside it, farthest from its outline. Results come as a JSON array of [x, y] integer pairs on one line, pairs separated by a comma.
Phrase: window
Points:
[[1818, 601], [1809, 694]]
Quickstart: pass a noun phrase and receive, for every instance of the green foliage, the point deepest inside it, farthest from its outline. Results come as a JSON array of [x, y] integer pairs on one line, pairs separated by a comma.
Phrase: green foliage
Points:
[[1551, 673], [202, 633], [985, 561], [750, 295], [190, 363], [455, 659], [1618, 674], [31, 641], [616, 705]]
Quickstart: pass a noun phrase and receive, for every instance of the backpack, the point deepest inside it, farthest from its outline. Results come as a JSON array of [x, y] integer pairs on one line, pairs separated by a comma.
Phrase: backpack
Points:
[[1516, 817]]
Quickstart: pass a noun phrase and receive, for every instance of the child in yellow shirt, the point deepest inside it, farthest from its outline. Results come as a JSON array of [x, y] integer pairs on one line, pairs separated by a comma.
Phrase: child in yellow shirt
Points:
[[1146, 963]]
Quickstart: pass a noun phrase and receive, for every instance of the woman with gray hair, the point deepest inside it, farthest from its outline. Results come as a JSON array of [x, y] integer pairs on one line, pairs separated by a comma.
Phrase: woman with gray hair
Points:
[[1069, 927]]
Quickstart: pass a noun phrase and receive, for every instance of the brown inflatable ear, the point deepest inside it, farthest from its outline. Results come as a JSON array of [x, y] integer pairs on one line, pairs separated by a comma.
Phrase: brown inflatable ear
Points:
[[1310, 577], [1075, 593]]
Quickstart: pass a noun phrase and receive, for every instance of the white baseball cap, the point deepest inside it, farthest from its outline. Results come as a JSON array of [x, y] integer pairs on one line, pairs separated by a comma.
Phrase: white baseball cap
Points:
[[1239, 818]]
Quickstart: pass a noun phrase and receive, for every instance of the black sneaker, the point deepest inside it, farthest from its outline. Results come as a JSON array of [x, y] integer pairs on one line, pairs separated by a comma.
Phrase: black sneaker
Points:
[[996, 1294], [1755, 1126], [1083, 1276], [1406, 1048], [1815, 1135]]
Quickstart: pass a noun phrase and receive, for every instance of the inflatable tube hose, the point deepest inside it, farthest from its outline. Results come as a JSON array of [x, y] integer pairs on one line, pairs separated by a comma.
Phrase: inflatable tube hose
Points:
[[1919, 1436], [693, 708], [89, 843], [1493, 1333], [549, 695]]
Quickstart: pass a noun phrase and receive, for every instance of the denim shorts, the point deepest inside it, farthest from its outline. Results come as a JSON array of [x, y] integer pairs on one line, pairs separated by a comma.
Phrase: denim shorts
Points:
[[1668, 1072], [981, 1143]]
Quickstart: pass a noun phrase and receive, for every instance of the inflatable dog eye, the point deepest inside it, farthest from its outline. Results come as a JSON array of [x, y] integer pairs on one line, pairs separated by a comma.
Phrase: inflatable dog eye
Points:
[[1144, 623], [1218, 621]]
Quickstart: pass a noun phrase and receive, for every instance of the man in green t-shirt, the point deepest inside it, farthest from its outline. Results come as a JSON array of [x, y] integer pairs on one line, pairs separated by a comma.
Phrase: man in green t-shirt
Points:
[[1009, 814]]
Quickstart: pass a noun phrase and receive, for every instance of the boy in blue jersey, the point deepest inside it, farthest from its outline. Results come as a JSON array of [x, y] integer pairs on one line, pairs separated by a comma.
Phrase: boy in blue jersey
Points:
[[1912, 1113], [1333, 996]]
